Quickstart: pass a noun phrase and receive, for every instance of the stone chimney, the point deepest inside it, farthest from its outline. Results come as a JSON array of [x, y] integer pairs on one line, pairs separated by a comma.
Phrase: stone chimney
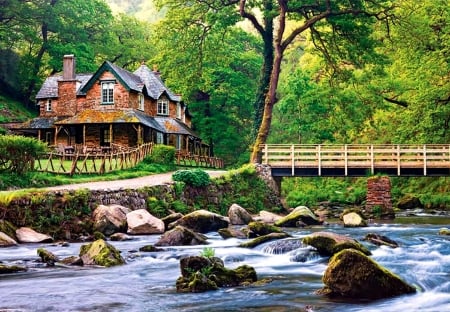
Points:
[[69, 67]]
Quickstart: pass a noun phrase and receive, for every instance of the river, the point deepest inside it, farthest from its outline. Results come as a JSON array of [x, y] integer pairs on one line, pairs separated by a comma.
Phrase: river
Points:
[[147, 281]]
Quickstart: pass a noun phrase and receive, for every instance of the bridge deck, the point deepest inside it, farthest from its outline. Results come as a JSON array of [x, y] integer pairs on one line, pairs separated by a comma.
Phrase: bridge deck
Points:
[[357, 160]]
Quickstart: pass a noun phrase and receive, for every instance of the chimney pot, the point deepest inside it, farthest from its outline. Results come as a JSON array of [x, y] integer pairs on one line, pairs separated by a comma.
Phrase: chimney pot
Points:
[[69, 67]]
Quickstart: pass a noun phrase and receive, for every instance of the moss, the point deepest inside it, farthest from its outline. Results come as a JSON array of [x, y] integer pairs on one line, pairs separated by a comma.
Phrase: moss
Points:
[[101, 253], [444, 231], [261, 228], [262, 239], [327, 244], [4, 269]]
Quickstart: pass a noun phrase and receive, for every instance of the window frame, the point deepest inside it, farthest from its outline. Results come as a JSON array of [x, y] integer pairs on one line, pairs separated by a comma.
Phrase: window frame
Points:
[[162, 107], [108, 97], [48, 105], [141, 102]]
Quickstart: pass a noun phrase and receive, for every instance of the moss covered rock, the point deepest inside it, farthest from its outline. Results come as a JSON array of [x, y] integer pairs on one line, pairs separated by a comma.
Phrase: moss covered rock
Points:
[[8, 228], [47, 257], [379, 240], [301, 215], [352, 274], [256, 228], [444, 231], [6, 241], [328, 243], [262, 239], [101, 253], [199, 274], [181, 236], [5, 269], [201, 221]]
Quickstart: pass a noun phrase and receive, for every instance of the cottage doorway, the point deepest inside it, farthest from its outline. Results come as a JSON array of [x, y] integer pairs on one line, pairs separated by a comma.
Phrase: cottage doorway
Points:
[[105, 137]]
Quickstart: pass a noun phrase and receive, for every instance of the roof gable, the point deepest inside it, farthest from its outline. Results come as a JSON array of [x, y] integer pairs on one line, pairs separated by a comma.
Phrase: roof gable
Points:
[[129, 80], [49, 88], [154, 83]]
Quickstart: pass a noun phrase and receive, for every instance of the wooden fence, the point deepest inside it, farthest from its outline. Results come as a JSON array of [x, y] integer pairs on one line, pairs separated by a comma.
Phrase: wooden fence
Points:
[[92, 162], [395, 159], [187, 159]]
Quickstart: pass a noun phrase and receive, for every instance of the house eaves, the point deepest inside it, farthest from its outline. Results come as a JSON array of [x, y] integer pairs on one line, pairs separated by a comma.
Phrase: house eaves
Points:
[[175, 126], [154, 84]]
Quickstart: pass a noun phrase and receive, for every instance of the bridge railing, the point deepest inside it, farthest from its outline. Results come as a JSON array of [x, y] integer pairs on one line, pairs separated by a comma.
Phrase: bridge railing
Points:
[[351, 156]]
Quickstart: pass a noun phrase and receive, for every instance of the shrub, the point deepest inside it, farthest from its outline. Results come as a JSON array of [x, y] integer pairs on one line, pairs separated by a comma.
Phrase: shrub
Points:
[[17, 153], [195, 177], [162, 154]]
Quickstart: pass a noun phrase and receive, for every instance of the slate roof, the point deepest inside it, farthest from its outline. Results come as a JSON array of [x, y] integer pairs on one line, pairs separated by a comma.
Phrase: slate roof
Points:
[[91, 116], [38, 123], [175, 126], [155, 86], [49, 88]]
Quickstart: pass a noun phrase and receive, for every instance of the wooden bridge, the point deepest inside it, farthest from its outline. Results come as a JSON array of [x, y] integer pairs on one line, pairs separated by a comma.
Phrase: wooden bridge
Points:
[[357, 160]]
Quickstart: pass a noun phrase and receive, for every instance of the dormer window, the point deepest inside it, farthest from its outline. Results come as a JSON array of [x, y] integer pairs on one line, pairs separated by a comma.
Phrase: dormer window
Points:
[[107, 92], [163, 107], [141, 101], [48, 105]]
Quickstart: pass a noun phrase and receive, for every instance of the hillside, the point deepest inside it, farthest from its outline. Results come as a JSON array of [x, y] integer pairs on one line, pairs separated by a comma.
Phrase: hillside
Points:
[[13, 111]]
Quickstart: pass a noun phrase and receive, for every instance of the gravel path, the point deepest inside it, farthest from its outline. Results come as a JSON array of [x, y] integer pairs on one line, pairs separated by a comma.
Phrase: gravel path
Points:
[[155, 179]]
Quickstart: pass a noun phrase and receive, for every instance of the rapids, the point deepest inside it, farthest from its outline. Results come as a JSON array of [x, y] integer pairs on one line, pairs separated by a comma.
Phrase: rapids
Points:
[[147, 281]]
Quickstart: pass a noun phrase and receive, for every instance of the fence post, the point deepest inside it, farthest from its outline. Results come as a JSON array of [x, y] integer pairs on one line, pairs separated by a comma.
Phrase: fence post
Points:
[[372, 165], [346, 159], [398, 159], [320, 161], [424, 160], [292, 160]]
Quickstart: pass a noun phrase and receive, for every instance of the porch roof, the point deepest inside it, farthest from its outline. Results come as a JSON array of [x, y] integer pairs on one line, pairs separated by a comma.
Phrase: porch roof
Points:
[[175, 126], [37, 123], [90, 116]]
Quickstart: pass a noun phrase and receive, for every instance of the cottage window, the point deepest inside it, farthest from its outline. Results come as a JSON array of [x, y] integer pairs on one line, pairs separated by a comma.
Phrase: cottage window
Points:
[[159, 138], [179, 110], [141, 101], [48, 105], [108, 92], [163, 107]]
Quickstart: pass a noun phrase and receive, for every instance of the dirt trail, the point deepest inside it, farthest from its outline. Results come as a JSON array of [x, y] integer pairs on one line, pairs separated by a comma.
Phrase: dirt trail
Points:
[[155, 179]]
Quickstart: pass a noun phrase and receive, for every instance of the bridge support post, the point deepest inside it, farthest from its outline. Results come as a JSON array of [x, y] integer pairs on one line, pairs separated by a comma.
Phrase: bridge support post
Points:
[[378, 199]]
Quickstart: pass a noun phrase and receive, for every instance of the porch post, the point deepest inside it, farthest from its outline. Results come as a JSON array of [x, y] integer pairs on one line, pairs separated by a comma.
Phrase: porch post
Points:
[[110, 134]]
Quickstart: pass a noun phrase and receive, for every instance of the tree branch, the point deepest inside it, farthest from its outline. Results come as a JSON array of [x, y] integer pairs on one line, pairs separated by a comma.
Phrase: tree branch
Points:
[[394, 101], [252, 18]]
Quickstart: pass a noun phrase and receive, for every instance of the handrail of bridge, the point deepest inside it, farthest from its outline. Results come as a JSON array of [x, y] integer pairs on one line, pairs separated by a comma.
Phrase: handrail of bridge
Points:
[[371, 157]]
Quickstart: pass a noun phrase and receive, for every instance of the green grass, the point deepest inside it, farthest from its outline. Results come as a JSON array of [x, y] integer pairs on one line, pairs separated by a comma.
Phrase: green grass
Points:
[[13, 110]]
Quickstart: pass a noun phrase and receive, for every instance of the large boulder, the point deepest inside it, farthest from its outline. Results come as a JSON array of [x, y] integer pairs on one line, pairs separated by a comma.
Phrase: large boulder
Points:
[[171, 218], [199, 274], [409, 202], [28, 235], [6, 241], [328, 243], [300, 216], [202, 221], [8, 228], [352, 274], [238, 215], [6, 269], [255, 229], [181, 236], [100, 253], [110, 219], [353, 219], [230, 232], [142, 222], [267, 217]]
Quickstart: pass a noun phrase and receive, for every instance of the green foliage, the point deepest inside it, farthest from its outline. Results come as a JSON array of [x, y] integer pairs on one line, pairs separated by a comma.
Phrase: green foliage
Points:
[[157, 207], [208, 252], [162, 154], [195, 177], [17, 153]]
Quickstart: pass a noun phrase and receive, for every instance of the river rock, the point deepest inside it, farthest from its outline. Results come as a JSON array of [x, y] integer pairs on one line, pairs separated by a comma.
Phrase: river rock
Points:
[[8, 228], [352, 274], [6, 241], [201, 221], [379, 240], [5, 269], [28, 235], [409, 202], [120, 237], [353, 219], [142, 222], [283, 246], [444, 231], [267, 217], [47, 257], [255, 229], [199, 274], [262, 239], [328, 243], [101, 253], [181, 236], [230, 232], [110, 219], [300, 216], [238, 215], [171, 218]]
